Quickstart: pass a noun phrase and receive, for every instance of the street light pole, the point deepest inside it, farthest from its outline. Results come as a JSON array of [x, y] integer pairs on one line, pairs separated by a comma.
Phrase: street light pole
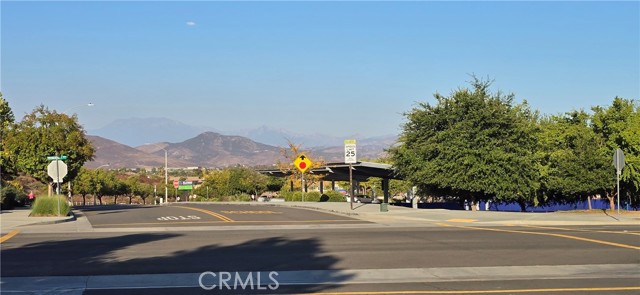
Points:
[[166, 172], [166, 177]]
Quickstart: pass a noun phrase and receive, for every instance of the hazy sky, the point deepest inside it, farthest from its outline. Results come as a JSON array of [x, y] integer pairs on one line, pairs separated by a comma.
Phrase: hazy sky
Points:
[[330, 67]]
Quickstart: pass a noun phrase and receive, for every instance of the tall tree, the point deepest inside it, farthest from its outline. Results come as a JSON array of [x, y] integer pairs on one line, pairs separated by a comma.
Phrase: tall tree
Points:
[[295, 177], [619, 126], [574, 159], [7, 120], [45, 133], [473, 145], [84, 184]]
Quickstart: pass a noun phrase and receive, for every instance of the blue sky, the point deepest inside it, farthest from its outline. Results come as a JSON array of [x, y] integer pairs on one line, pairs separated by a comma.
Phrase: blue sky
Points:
[[337, 68]]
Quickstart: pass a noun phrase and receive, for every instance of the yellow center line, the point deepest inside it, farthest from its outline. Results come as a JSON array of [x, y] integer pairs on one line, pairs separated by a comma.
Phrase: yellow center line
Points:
[[8, 236], [462, 220], [548, 234], [584, 230], [220, 216], [548, 290]]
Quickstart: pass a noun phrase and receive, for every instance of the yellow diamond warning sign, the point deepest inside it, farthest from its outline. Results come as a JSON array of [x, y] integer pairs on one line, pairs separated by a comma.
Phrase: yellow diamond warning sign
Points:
[[302, 162]]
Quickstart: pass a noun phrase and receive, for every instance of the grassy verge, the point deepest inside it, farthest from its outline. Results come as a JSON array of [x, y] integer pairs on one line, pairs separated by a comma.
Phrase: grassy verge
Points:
[[48, 206]]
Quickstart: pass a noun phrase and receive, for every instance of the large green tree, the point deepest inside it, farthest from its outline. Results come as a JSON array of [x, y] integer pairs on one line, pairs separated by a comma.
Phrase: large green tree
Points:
[[473, 144], [85, 183], [619, 126], [7, 120], [573, 159], [45, 133]]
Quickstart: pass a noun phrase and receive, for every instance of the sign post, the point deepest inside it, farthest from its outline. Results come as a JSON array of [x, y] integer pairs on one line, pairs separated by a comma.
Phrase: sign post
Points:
[[57, 170], [618, 162], [303, 163], [350, 157]]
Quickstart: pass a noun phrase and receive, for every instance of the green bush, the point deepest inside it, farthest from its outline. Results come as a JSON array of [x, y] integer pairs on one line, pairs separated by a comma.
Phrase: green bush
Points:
[[48, 206], [292, 196], [332, 196], [11, 197], [236, 198], [312, 197]]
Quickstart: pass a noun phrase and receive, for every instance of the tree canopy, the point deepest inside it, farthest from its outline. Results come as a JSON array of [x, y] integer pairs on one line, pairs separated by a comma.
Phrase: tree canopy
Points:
[[43, 133], [574, 159], [473, 144]]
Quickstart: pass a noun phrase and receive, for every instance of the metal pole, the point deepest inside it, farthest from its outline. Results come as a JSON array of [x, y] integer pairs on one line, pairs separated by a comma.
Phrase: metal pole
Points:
[[58, 184], [302, 186], [166, 178], [618, 180], [351, 186]]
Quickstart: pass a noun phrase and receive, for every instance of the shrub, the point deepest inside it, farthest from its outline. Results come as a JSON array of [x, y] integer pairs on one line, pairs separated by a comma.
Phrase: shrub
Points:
[[236, 198], [291, 196], [312, 197], [11, 197], [48, 206], [332, 196]]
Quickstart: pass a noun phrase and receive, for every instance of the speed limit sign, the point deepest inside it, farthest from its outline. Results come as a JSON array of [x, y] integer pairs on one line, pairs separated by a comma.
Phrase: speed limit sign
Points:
[[350, 151]]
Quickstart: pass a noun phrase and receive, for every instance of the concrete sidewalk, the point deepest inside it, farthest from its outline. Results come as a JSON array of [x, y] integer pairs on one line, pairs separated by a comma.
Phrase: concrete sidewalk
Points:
[[18, 217], [398, 215]]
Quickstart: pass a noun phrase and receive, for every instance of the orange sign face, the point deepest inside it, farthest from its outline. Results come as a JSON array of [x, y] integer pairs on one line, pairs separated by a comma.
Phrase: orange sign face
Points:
[[302, 162]]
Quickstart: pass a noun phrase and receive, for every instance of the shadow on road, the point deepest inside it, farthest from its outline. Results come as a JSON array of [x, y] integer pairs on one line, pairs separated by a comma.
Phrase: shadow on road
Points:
[[126, 255]]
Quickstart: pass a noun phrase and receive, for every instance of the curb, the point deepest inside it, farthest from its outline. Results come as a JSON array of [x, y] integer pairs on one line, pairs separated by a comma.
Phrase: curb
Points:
[[68, 219], [284, 205]]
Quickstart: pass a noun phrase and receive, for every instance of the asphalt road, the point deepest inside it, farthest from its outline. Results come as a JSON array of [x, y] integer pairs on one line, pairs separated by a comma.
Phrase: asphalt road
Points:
[[451, 258], [180, 215]]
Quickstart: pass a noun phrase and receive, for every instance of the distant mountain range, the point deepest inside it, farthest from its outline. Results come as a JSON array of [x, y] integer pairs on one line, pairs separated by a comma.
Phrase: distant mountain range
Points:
[[214, 150], [139, 131]]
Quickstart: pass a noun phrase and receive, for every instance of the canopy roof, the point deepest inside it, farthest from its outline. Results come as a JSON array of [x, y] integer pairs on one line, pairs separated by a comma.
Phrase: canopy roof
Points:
[[361, 171]]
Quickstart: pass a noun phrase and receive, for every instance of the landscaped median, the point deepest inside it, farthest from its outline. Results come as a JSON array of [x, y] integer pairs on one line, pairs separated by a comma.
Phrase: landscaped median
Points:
[[49, 206]]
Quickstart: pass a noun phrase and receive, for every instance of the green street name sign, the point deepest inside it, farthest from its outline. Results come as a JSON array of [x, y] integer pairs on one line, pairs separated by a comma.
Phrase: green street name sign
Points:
[[53, 158]]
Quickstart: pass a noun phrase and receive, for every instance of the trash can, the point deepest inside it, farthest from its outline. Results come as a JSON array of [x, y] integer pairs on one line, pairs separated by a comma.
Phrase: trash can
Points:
[[384, 207]]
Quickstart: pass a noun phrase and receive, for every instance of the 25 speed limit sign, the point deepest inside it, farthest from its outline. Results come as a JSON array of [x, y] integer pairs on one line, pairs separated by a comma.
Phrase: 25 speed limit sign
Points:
[[350, 151]]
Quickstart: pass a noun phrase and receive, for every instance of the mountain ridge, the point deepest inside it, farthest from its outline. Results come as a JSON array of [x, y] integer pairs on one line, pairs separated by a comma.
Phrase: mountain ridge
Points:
[[140, 131], [212, 150]]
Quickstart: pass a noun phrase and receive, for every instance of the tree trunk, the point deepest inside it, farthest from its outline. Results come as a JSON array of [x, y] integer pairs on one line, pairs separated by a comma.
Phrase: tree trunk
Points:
[[473, 203], [84, 199], [589, 201], [612, 201], [523, 205]]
